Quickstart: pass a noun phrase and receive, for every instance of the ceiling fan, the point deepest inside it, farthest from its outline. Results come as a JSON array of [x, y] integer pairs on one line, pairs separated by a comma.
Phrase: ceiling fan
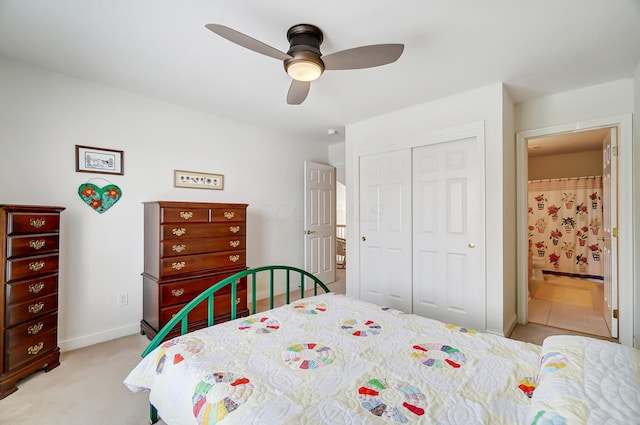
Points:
[[305, 63]]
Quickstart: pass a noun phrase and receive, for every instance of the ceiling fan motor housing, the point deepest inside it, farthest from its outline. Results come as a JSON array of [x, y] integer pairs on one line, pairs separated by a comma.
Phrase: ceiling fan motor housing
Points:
[[304, 45]]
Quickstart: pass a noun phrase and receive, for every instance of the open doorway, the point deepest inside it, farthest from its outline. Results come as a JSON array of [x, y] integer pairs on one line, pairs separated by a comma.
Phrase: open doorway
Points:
[[623, 301], [341, 229], [566, 271], [341, 219]]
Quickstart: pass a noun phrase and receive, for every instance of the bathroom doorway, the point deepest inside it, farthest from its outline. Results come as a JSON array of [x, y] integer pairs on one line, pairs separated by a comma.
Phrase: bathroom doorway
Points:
[[566, 277]]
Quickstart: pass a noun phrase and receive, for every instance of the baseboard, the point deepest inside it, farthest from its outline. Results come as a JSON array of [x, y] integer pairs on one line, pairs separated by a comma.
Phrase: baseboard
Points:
[[98, 337]]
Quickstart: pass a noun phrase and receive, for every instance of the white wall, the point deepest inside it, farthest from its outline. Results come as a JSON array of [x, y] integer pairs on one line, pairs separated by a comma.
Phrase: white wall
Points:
[[391, 131], [603, 100], [608, 103], [43, 115]]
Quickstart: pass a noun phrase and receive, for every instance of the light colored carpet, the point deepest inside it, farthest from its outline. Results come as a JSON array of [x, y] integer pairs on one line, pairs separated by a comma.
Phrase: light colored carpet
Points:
[[564, 295], [85, 389]]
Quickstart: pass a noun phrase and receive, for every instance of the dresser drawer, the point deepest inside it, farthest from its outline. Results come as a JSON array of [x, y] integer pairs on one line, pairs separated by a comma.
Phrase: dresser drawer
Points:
[[31, 245], [185, 215], [29, 310], [221, 306], [30, 332], [197, 246], [31, 350], [201, 262], [186, 290], [219, 215], [25, 268], [32, 223], [188, 231], [25, 290]]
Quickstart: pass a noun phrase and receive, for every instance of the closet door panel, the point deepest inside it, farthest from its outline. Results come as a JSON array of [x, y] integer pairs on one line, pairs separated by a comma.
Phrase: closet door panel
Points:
[[385, 223], [448, 233]]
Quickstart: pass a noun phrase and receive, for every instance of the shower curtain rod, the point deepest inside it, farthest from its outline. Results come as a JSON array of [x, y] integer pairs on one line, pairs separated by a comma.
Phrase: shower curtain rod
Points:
[[563, 179]]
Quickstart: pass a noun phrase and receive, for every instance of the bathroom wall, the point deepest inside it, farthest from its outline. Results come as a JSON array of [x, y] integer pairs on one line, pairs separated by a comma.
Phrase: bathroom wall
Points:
[[576, 164]]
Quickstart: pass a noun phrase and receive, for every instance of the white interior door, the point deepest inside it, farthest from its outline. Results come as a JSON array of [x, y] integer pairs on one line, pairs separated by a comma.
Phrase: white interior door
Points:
[[609, 218], [385, 226], [448, 233], [320, 221]]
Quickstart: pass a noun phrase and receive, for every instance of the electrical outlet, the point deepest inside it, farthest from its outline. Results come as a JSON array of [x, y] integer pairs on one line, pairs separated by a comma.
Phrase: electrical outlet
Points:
[[123, 299]]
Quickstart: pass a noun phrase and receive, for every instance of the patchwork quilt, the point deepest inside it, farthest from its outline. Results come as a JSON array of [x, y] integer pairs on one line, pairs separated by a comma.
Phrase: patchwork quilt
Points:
[[331, 359]]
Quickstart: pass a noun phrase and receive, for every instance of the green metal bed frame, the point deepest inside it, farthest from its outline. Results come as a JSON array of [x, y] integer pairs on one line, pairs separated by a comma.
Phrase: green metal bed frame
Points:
[[207, 296]]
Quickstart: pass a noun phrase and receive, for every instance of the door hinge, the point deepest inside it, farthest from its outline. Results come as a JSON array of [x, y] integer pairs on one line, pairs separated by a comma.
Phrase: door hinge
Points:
[[615, 313], [614, 232], [614, 151]]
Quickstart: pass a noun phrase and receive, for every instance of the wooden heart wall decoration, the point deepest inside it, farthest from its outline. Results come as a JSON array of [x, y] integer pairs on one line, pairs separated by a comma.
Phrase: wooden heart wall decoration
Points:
[[99, 198]]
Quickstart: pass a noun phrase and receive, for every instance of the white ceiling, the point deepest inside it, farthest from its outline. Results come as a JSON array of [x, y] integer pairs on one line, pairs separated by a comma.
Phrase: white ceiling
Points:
[[161, 48], [578, 141]]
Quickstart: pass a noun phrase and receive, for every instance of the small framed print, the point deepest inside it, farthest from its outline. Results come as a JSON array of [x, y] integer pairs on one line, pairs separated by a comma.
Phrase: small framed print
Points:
[[198, 180], [99, 160]]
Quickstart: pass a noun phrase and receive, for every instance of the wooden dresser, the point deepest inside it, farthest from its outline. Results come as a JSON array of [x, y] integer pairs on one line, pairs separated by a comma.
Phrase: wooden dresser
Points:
[[188, 247], [29, 295]]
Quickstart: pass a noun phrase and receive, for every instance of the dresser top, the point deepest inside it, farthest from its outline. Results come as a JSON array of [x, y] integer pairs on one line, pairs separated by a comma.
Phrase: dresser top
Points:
[[185, 204], [31, 208]]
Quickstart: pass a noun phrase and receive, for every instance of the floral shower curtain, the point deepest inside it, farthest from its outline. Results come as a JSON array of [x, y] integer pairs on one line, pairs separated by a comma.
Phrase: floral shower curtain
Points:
[[565, 220]]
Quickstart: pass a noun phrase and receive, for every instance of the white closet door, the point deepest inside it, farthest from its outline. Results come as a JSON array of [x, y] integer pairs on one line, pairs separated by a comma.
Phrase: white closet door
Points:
[[385, 226], [448, 233]]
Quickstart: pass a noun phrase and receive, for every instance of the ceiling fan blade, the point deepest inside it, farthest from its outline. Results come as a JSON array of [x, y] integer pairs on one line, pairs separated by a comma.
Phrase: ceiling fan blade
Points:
[[298, 92], [363, 57], [247, 42]]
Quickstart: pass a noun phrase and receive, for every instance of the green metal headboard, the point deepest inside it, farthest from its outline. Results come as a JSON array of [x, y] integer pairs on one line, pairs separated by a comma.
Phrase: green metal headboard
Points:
[[208, 295]]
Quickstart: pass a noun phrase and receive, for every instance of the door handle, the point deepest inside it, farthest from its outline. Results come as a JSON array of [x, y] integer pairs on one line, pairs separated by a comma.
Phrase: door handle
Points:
[[364, 238], [472, 245], [308, 232]]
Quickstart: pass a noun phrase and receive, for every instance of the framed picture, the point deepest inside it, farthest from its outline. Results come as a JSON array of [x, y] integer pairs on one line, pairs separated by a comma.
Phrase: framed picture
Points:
[[198, 180], [99, 160]]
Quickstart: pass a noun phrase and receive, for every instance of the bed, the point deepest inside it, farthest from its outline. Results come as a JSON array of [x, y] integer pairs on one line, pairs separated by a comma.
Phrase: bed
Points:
[[331, 359]]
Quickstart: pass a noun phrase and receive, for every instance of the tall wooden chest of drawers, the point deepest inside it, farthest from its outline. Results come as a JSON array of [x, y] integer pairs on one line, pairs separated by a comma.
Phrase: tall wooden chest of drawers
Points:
[[29, 294], [188, 247]]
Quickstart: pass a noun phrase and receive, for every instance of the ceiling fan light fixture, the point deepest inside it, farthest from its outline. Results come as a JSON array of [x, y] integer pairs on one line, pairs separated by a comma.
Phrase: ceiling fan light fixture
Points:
[[303, 70], [304, 66]]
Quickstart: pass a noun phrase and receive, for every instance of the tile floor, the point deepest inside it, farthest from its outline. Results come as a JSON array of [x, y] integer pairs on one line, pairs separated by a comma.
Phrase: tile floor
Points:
[[566, 316]]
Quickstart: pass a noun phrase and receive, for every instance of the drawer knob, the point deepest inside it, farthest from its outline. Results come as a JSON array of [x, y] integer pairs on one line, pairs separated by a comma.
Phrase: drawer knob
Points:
[[37, 222], [34, 329], [34, 267], [234, 258], [34, 288], [234, 244], [234, 229], [178, 248], [178, 266], [186, 214], [229, 215], [179, 231], [177, 292], [35, 349], [37, 244], [36, 308]]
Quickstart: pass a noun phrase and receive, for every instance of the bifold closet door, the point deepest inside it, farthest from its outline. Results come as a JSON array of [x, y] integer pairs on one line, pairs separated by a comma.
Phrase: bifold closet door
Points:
[[385, 229], [448, 233]]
